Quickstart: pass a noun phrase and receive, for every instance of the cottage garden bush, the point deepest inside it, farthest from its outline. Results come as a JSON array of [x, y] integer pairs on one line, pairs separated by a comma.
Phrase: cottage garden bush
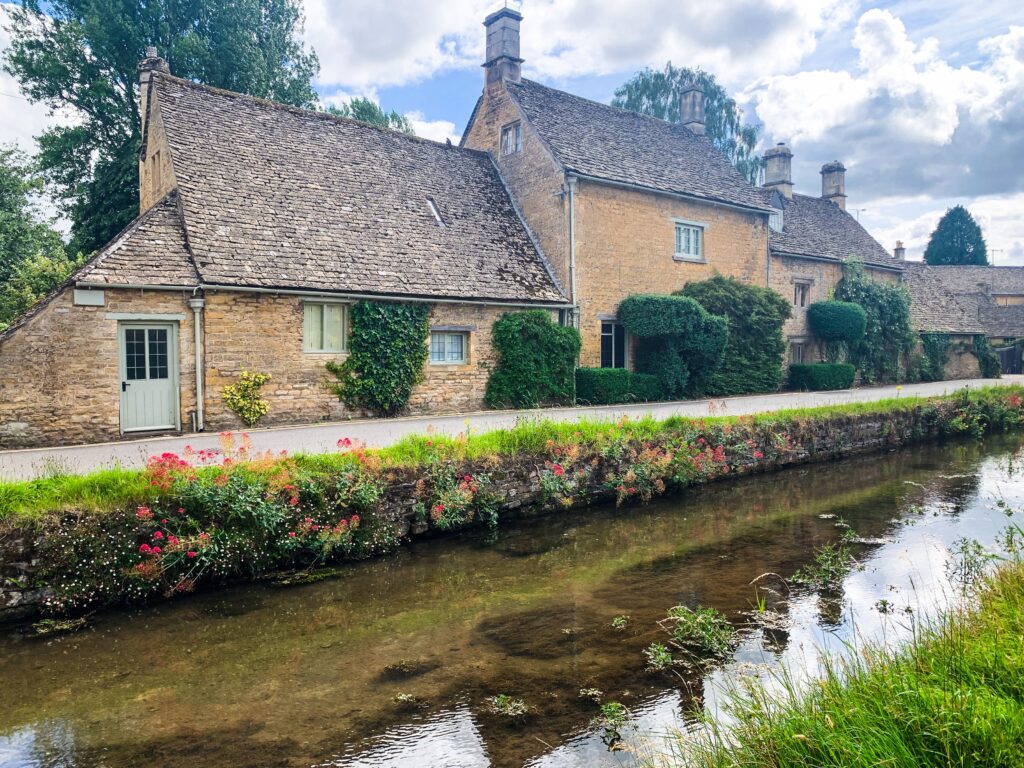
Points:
[[536, 361], [211, 516]]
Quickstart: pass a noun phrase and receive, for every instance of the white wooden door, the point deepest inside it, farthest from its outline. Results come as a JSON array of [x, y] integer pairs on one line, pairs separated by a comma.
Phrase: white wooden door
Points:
[[149, 376]]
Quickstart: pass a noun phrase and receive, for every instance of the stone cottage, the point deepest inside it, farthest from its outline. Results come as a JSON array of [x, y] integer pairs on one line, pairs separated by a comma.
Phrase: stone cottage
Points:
[[623, 203], [260, 225]]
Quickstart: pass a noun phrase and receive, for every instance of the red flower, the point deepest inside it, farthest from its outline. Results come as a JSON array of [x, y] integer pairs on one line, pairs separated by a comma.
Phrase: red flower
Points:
[[355, 519], [557, 469], [164, 521], [291, 534], [145, 549], [758, 455], [144, 513], [439, 508], [190, 554], [157, 550], [345, 442], [158, 535], [181, 510]]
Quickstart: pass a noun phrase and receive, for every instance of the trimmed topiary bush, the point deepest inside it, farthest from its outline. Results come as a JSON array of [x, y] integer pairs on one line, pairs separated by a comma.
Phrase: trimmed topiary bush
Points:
[[752, 361], [536, 360], [678, 341], [607, 386], [821, 376], [837, 320]]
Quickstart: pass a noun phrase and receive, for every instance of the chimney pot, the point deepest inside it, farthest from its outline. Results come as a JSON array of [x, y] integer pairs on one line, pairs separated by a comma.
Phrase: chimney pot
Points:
[[833, 183], [502, 60], [691, 108], [778, 169], [899, 251]]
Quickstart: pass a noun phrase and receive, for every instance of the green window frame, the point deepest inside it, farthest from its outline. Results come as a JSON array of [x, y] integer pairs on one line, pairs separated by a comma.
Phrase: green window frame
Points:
[[325, 327]]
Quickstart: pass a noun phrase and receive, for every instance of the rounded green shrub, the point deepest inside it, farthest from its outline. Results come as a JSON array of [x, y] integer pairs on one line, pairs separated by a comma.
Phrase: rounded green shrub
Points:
[[536, 361], [821, 376], [841, 321]]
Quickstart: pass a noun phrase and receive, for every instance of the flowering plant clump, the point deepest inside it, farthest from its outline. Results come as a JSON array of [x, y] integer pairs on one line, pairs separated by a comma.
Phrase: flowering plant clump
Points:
[[647, 468], [452, 500]]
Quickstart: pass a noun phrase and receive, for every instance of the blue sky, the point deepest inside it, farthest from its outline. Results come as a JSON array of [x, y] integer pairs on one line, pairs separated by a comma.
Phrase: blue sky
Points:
[[923, 100]]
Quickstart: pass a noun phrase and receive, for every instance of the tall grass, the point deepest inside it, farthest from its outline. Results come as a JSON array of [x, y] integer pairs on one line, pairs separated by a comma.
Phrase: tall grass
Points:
[[953, 697]]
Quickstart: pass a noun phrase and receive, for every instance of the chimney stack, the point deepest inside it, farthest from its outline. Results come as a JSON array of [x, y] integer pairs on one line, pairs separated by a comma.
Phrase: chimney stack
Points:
[[691, 108], [503, 61], [152, 63], [899, 251], [833, 183], [778, 169]]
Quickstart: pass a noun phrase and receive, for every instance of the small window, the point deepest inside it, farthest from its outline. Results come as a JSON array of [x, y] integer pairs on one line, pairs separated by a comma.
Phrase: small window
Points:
[[565, 317], [325, 327], [447, 348], [776, 220], [613, 345], [689, 242], [436, 211], [797, 352], [801, 294], [511, 139]]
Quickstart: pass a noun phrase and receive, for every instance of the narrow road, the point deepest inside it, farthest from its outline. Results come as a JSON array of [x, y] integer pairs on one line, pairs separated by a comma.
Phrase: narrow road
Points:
[[27, 464]]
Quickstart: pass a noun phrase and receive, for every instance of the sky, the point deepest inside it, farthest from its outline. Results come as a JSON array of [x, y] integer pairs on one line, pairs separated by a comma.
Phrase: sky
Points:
[[922, 100]]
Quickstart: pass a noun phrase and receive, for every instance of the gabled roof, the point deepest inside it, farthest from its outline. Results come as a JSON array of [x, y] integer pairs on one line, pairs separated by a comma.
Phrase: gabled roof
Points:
[[815, 227], [964, 278], [933, 307], [279, 197], [617, 145], [974, 287]]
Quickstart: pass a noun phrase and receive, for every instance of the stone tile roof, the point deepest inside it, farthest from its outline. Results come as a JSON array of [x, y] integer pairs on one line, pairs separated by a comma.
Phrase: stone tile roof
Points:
[[933, 308], [279, 197], [974, 279], [598, 140], [152, 250], [816, 227], [973, 288]]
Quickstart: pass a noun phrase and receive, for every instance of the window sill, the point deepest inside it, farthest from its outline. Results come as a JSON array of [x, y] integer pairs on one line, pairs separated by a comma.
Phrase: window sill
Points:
[[689, 260], [325, 353], [459, 364]]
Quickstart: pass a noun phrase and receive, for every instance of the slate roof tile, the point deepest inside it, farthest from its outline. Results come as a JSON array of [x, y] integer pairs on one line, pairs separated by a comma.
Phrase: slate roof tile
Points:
[[933, 307]]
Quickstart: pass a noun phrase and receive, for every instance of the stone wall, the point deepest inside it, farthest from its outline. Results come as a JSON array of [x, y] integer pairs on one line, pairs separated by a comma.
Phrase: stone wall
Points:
[[962, 362], [156, 169], [59, 374]]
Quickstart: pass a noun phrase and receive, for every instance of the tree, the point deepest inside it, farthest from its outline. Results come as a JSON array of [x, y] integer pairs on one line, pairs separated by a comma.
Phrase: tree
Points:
[[957, 240], [31, 281], [658, 93], [81, 56], [752, 361], [368, 111]]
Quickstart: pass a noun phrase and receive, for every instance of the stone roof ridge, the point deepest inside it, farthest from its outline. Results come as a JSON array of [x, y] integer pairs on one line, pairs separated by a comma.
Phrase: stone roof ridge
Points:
[[306, 112]]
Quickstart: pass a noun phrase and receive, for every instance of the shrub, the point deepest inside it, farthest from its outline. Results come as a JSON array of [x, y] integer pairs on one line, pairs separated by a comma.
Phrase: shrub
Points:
[[387, 352], [837, 320], [752, 361], [679, 342], [243, 399], [934, 354], [536, 359], [988, 360], [821, 376], [606, 386]]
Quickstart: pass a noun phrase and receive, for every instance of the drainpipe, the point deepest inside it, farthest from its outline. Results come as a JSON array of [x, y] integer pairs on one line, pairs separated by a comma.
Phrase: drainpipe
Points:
[[570, 183], [197, 303]]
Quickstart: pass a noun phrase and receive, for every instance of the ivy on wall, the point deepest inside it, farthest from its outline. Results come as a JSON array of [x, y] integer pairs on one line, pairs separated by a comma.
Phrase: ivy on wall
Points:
[[888, 336], [988, 360], [244, 399], [752, 360], [934, 355], [387, 352], [536, 361]]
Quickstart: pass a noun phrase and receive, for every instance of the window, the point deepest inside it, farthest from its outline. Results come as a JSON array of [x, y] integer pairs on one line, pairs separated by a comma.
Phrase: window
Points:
[[436, 211], [797, 350], [775, 219], [801, 294], [565, 318], [448, 348], [511, 139], [613, 345], [689, 242], [325, 327]]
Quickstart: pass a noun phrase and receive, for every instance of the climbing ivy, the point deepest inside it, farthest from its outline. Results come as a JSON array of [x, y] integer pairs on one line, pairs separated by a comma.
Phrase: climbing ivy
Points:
[[988, 360], [934, 354], [888, 337], [387, 352], [536, 360]]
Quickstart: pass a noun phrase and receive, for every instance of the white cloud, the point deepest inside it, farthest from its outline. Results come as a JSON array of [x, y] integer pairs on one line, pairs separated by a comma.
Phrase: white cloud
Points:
[[437, 130], [20, 120]]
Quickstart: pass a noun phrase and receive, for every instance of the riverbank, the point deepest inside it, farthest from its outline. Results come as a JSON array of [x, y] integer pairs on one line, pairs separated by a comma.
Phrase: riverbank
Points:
[[71, 544], [954, 696]]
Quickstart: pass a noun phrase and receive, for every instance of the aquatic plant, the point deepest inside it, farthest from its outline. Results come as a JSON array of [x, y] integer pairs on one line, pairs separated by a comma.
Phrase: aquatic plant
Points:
[[699, 631], [507, 706], [658, 656], [832, 563]]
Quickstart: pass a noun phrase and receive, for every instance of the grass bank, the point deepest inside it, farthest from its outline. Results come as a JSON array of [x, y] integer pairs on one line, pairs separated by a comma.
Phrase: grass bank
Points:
[[954, 697], [69, 543]]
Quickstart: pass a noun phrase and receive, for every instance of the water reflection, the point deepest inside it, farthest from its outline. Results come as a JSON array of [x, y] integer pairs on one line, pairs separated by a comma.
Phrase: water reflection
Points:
[[391, 664]]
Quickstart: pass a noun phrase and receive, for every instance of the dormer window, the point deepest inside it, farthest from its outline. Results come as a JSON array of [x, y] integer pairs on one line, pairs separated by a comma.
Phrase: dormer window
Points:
[[512, 139], [775, 220]]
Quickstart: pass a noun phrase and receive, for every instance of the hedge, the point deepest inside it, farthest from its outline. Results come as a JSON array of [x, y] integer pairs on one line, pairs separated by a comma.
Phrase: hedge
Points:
[[607, 386], [821, 376], [536, 359], [837, 320]]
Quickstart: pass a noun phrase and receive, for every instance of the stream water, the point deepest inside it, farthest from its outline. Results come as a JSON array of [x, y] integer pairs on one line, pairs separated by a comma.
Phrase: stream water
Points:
[[391, 664]]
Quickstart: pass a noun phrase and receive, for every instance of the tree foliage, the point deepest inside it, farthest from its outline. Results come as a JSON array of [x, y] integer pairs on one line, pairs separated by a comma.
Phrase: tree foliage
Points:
[[81, 56], [368, 111], [752, 360], [888, 336], [387, 352], [536, 361], [957, 240], [658, 93], [678, 341]]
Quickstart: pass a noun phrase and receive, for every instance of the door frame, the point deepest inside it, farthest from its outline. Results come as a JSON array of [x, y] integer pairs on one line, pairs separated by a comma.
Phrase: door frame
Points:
[[172, 362]]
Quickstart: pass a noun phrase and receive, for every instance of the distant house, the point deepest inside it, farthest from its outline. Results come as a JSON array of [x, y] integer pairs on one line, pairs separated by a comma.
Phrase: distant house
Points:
[[260, 225]]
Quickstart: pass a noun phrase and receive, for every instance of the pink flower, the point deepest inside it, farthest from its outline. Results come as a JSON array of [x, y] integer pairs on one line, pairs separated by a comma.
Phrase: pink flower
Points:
[[190, 554], [144, 513], [345, 442], [291, 534], [157, 550], [164, 521], [158, 535], [145, 549], [557, 469], [355, 519], [758, 455]]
